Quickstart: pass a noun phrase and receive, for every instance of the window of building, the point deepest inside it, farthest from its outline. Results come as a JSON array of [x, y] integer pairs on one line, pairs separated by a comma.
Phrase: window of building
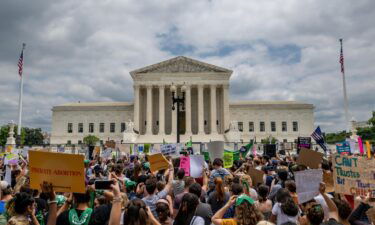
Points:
[[91, 127], [79, 142], [251, 126], [80, 128], [284, 127], [273, 126], [69, 142], [101, 142], [295, 126], [112, 127], [70, 128], [262, 127], [240, 126], [101, 127], [123, 127]]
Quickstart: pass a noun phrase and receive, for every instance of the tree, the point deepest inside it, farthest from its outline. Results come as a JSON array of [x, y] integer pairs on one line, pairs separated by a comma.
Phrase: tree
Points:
[[332, 138], [269, 140], [368, 133], [90, 140], [4, 131]]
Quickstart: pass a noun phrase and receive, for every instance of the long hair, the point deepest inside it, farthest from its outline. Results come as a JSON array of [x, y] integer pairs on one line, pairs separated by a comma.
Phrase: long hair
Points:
[[219, 187], [247, 214], [263, 191], [187, 209], [135, 213], [288, 206]]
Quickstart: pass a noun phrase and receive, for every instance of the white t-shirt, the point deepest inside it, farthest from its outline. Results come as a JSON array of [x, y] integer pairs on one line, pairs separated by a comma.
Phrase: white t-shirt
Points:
[[281, 217], [197, 220]]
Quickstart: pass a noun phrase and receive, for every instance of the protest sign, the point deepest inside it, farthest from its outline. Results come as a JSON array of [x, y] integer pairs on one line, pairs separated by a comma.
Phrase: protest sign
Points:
[[310, 158], [236, 155], [307, 183], [8, 174], [168, 149], [206, 156], [228, 159], [96, 150], [256, 176], [360, 145], [110, 144], [140, 148], [368, 149], [185, 164], [216, 149], [303, 142], [9, 148], [196, 165], [343, 147], [158, 162], [61, 149], [11, 159], [354, 175], [125, 148], [328, 180], [64, 171], [107, 153]]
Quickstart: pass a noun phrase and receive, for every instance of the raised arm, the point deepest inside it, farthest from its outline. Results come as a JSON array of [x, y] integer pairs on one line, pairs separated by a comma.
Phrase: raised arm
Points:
[[115, 216], [168, 186], [333, 211], [205, 180], [217, 219]]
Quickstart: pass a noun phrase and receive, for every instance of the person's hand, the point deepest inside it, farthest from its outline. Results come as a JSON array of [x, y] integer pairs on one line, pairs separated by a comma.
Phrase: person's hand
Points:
[[115, 188], [322, 188], [31, 209], [232, 200], [149, 213], [170, 164], [47, 188]]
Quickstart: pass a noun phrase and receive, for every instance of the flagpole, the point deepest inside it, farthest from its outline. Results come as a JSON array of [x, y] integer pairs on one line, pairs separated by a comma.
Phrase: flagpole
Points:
[[346, 104], [20, 100]]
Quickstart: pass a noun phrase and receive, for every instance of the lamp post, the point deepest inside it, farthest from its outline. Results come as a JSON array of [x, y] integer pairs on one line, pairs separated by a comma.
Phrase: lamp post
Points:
[[179, 100]]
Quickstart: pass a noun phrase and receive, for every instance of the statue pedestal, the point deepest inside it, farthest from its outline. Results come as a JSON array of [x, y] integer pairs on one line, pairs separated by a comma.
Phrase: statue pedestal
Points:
[[11, 140]]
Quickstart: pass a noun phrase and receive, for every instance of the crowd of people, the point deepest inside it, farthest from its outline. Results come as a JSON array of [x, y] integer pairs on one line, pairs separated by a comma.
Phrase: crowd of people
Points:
[[220, 196]]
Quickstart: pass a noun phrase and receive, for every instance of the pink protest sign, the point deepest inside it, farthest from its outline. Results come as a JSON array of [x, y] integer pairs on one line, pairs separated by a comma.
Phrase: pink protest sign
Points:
[[185, 164], [360, 144]]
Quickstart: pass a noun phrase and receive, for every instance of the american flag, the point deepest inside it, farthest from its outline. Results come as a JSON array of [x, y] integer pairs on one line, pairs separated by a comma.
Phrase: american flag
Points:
[[318, 137], [20, 61], [341, 58]]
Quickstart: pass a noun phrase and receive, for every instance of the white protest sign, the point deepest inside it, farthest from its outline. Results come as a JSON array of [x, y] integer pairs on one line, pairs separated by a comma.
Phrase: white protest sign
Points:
[[107, 153], [169, 149], [8, 175], [307, 183], [216, 149], [196, 165]]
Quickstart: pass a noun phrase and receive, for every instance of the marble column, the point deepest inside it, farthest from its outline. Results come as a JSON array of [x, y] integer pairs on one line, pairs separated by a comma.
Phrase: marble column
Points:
[[225, 107], [149, 110], [161, 110], [136, 108], [213, 109], [200, 110], [174, 117], [188, 110]]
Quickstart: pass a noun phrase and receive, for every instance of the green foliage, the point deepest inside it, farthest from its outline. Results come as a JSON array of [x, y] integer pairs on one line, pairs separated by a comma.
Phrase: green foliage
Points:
[[332, 138], [90, 140], [368, 133], [269, 140], [32, 136], [4, 130]]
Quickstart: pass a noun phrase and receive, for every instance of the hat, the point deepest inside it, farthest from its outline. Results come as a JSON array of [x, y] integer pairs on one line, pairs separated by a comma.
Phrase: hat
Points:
[[86, 161], [146, 165], [240, 199], [129, 183], [60, 200]]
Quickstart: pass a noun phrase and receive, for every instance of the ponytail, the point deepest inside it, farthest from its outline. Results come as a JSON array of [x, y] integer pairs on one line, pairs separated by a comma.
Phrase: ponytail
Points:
[[219, 188]]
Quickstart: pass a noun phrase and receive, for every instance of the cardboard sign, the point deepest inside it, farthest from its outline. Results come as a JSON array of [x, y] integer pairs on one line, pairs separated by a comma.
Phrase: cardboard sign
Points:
[[216, 149], [228, 159], [9, 148], [196, 165], [168, 149], [110, 144], [157, 162], [343, 147], [354, 175], [256, 176], [304, 142], [307, 183], [328, 180], [64, 171], [185, 164], [310, 158]]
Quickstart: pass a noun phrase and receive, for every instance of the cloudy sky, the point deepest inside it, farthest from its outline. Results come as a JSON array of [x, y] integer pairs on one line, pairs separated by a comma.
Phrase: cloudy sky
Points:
[[278, 50]]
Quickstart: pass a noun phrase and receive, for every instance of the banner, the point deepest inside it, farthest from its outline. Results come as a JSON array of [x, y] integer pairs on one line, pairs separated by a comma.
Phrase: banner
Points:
[[307, 183], [354, 175], [157, 162], [310, 158], [343, 147], [185, 164], [64, 171], [228, 159], [196, 165]]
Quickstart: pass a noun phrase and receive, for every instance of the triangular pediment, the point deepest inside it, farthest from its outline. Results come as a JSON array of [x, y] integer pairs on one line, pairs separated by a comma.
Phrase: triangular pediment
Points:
[[180, 64]]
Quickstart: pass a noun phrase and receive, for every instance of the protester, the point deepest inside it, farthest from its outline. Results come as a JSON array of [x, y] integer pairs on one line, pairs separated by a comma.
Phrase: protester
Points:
[[285, 209], [218, 197], [186, 212]]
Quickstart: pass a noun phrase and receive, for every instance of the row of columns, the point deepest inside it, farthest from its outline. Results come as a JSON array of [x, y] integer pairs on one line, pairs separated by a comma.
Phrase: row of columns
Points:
[[188, 127]]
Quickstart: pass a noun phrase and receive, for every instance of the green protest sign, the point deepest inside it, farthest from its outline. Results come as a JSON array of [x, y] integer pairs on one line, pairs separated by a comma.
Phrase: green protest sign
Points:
[[228, 159], [206, 156]]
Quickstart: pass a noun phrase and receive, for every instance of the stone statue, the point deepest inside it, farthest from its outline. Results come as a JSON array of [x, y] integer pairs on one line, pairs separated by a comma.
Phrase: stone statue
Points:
[[233, 135], [129, 127], [129, 136], [11, 140]]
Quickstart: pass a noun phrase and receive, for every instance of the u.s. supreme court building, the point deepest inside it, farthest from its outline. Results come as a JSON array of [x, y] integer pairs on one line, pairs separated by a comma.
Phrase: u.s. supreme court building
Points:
[[207, 115]]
